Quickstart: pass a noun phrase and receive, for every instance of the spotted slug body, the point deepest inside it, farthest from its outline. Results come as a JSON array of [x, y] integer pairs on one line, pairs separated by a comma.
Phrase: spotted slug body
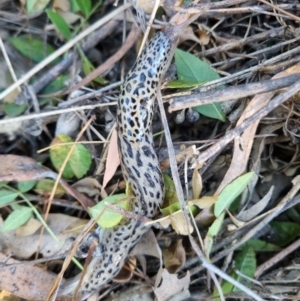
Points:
[[139, 162]]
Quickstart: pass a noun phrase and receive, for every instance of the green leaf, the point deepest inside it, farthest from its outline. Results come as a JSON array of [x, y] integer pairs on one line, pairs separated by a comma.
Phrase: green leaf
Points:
[[85, 7], [213, 231], [25, 186], [34, 6], [213, 110], [259, 246], [74, 7], [58, 154], [80, 159], [231, 192], [53, 87], [181, 84], [14, 110], [285, 232], [16, 219], [191, 69], [45, 187], [170, 209], [293, 214], [245, 262], [106, 217], [32, 48], [170, 191], [88, 68], [226, 287], [59, 23], [7, 196]]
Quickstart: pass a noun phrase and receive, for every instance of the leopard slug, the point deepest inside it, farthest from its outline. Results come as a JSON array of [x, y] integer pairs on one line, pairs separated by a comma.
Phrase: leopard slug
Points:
[[139, 162]]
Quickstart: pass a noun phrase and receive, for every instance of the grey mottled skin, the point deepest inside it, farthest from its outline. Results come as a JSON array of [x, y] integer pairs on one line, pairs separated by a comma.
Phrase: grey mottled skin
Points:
[[139, 162]]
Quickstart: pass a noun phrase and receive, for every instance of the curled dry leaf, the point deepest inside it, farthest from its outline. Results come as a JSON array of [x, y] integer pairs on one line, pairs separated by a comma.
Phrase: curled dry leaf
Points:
[[63, 5], [127, 271], [188, 34], [252, 212], [203, 36], [177, 221], [236, 222], [204, 202], [196, 184], [174, 257], [205, 217]]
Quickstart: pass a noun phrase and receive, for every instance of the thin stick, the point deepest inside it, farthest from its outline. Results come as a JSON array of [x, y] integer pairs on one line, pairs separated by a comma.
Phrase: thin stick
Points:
[[281, 10], [56, 112], [9, 65], [230, 93]]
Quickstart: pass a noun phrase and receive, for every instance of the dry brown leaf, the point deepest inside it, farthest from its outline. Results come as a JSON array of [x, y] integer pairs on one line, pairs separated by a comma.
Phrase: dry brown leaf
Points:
[[147, 246], [204, 202], [203, 36], [236, 222], [179, 224], [127, 271], [171, 285], [205, 218], [25, 281], [26, 246], [197, 184], [253, 211], [19, 168], [188, 34], [29, 228], [177, 221], [174, 257], [62, 5], [113, 159], [88, 186]]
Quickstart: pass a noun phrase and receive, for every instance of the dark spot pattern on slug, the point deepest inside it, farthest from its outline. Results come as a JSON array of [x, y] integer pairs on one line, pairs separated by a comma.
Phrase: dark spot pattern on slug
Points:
[[138, 159], [139, 163], [149, 179]]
